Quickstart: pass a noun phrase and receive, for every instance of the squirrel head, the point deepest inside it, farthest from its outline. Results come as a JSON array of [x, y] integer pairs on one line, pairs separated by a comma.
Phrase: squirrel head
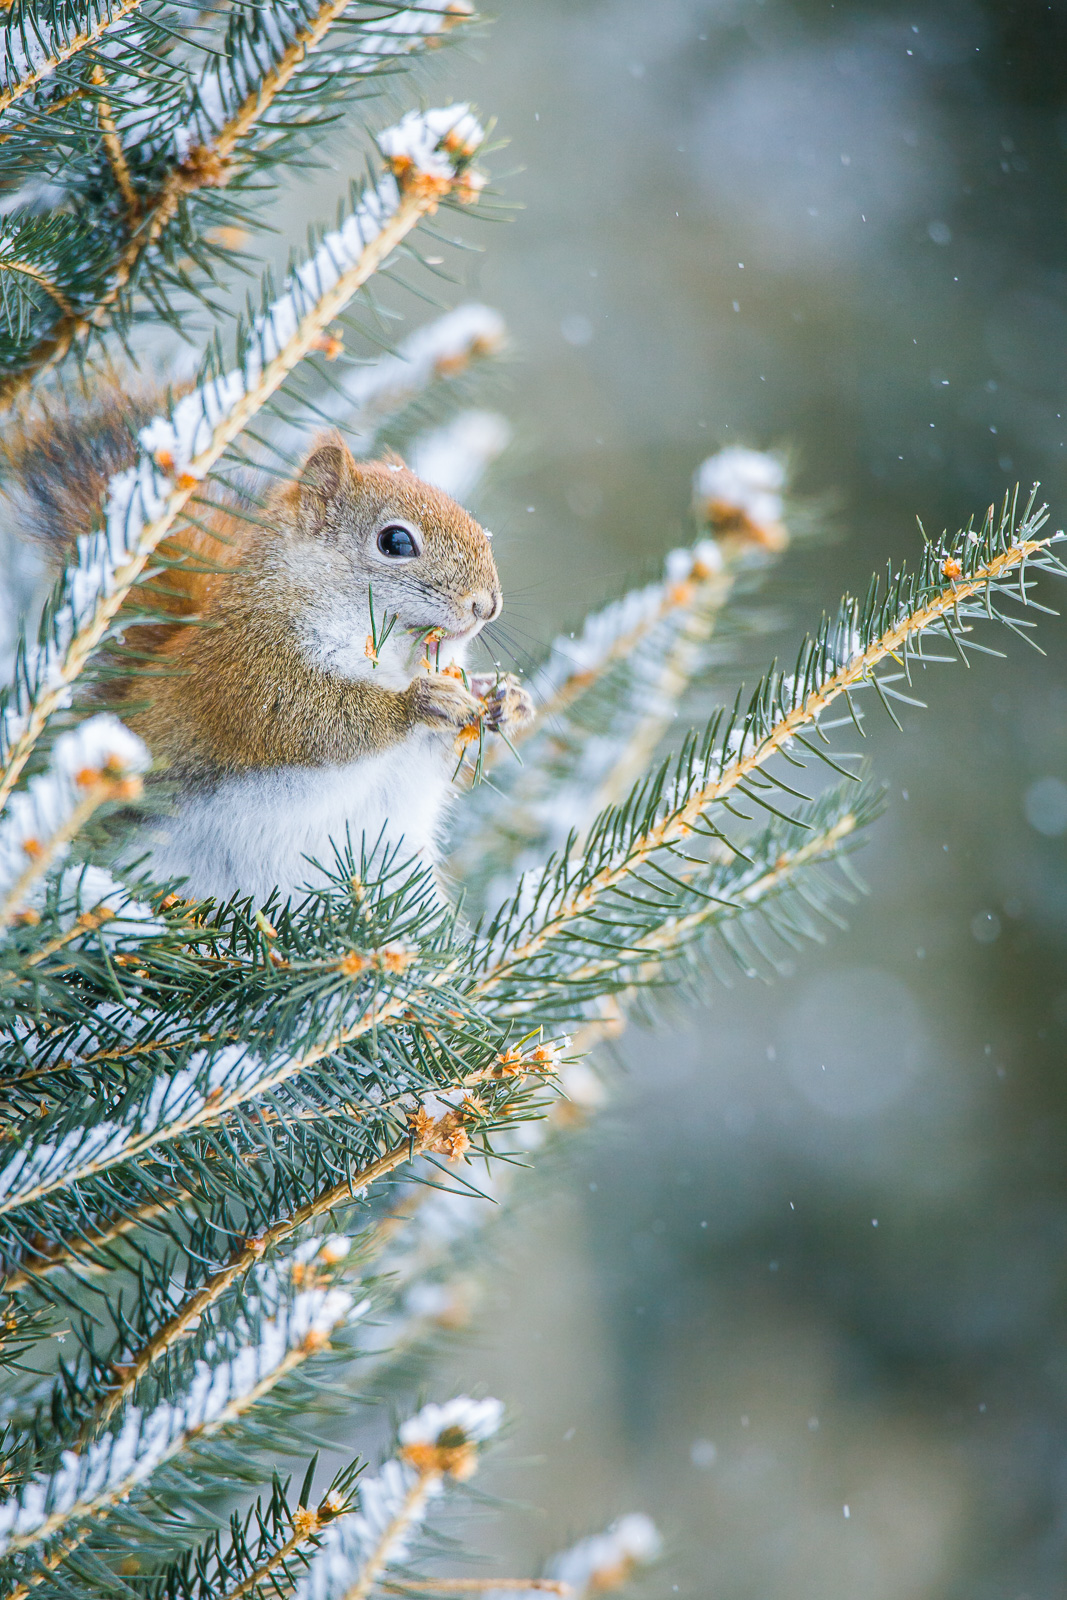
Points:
[[361, 527]]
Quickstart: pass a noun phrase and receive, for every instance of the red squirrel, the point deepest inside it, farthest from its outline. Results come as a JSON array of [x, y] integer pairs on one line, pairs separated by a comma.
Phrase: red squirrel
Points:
[[282, 730]]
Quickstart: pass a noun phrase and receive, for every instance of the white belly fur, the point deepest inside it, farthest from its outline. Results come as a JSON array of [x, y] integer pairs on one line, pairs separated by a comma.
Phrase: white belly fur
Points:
[[257, 831]]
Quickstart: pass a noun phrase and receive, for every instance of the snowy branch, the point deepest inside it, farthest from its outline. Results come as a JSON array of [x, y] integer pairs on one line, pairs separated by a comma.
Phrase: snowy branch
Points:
[[89, 1481], [98, 762], [439, 1442]]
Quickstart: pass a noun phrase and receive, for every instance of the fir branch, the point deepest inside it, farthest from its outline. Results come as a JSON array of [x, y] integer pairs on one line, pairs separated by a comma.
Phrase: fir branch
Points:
[[440, 1442], [83, 1255], [101, 761], [92, 1481], [178, 453], [306, 1522], [54, 255], [26, 69], [209, 158], [52, 109], [608, 1560], [446, 1134], [174, 1107], [242, 1260], [733, 890], [113, 146], [287, 1017], [661, 815]]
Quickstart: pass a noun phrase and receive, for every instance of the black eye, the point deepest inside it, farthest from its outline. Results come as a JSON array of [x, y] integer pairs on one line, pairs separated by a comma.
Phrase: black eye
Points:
[[397, 541]]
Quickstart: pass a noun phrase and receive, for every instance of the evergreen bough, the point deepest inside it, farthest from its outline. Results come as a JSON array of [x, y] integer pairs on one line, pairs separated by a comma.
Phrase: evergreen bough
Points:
[[236, 1138]]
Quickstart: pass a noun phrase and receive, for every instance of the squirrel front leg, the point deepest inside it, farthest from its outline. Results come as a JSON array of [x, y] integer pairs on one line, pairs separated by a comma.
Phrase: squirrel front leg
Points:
[[441, 701], [366, 718], [505, 704]]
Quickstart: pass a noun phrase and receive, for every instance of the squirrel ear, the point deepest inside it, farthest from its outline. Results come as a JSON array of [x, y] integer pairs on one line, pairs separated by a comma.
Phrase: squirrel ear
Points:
[[328, 474]]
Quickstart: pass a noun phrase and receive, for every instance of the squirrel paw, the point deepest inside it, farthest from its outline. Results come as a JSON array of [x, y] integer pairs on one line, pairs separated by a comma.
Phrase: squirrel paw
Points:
[[507, 705], [443, 702]]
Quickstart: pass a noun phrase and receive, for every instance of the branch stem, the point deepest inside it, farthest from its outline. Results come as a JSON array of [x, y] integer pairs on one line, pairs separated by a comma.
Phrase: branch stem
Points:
[[241, 1261], [35, 274], [678, 822], [376, 1562], [74, 46], [109, 133]]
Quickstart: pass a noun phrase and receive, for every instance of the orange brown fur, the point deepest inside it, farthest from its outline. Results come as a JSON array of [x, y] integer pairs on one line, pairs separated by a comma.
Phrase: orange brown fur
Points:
[[258, 666], [237, 690]]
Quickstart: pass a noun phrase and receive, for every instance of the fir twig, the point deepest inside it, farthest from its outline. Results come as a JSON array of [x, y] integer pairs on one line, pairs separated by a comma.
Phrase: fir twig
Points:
[[210, 164], [713, 773], [108, 18]]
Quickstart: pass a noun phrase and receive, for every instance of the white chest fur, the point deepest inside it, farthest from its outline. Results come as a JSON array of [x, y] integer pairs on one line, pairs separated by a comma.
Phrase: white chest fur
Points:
[[263, 829]]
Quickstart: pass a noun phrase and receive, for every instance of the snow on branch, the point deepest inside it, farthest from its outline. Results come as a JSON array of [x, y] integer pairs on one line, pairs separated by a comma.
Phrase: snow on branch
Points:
[[440, 1442], [364, 396], [738, 494], [606, 1560], [87, 1481], [455, 457], [32, 51], [98, 762], [179, 451]]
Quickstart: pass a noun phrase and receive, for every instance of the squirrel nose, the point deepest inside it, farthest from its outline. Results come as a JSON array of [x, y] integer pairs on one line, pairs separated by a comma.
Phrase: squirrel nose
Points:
[[486, 604]]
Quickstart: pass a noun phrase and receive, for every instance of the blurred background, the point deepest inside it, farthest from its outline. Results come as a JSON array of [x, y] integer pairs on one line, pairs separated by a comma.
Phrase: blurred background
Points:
[[799, 1292]]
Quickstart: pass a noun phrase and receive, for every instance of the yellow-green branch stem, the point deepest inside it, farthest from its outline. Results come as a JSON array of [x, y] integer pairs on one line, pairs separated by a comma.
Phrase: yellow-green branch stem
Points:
[[74, 46], [241, 1261], [678, 823]]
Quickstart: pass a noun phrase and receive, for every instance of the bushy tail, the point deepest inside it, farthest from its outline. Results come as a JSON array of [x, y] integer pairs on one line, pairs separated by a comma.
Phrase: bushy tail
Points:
[[55, 473], [56, 469]]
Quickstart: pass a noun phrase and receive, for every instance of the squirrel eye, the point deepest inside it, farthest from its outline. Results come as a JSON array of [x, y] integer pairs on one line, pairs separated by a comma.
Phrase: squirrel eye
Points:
[[396, 541]]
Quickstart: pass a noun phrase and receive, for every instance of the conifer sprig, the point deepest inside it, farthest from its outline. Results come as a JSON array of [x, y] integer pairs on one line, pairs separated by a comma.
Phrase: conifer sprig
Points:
[[187, 125], [553, 917], [440, 1444], [34, 50], [256, 1353]]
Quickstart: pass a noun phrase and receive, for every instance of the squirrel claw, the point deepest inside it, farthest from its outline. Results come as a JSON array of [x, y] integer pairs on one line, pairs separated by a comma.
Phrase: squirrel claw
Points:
[[507, 705], [443, 702]]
